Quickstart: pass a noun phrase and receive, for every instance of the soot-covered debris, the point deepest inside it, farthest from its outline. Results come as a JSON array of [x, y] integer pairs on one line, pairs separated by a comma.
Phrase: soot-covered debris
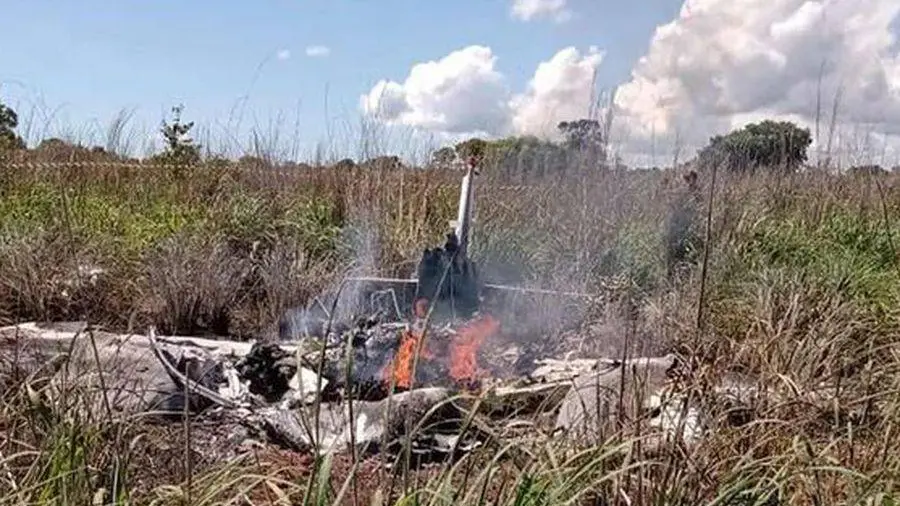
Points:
[[268, 368], [457, 294], [246, 373]]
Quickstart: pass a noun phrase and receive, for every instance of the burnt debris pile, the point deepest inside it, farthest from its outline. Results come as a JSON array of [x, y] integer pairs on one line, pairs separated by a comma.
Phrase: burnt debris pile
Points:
[[268, 370], [277, 393]]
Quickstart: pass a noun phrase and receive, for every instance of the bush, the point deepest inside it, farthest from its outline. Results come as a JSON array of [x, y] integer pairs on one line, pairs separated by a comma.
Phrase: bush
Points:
[[776, 145], [9, 120], [195, 283]]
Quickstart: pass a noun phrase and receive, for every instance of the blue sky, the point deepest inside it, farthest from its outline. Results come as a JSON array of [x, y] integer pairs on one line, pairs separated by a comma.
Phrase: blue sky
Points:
[[683, 69], [87, 60]]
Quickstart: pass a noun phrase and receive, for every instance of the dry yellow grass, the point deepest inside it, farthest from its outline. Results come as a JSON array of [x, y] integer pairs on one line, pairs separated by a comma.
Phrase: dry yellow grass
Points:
[[801, 297]]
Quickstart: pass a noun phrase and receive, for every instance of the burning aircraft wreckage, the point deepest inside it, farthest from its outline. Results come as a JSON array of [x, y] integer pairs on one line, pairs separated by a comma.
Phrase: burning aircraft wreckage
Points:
[[380, 381], [434, 324]]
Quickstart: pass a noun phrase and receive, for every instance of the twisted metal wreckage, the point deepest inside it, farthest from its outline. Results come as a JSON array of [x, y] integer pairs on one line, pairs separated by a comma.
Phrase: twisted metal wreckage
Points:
[[328, 384], [446, 300], [447, 277]]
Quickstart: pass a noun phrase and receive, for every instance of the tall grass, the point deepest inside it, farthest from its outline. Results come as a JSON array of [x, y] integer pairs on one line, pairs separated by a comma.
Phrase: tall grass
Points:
[[801, 302]]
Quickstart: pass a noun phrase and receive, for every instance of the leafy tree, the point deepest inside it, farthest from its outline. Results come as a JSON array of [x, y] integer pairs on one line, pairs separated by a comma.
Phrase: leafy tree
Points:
[[386, 162], [444, 156], [345, 164], [585, 139], [9, 120], [525, 157], [472, 148], [774, 144], [55, 149], [582, 134], [516, 156], [180, 148], [528, 156]]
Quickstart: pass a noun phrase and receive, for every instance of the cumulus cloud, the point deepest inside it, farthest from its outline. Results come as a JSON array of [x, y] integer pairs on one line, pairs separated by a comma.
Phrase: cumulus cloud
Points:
[[717, 66], [722, 63], [462, 92], [562, 89], [318, 51], [527, 10]]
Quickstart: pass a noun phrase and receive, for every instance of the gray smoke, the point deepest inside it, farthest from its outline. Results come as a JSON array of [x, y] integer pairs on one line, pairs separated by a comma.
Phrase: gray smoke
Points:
[[360, 239], [359, 243]]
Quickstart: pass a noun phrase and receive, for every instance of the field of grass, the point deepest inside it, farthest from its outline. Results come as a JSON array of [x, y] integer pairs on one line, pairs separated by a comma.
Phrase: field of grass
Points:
[[800, 294]]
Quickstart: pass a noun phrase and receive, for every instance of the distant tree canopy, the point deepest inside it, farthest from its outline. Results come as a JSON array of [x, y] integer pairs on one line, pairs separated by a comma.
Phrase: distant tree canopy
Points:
[[345, 164], [583, 144], [443, 156], [521, 155], [55, 149], [779, 145], [585, 136], [384, 162], [474, 148], [866, 170], [9, 121]]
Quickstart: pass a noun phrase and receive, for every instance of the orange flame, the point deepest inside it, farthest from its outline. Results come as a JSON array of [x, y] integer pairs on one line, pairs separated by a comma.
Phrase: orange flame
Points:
[[401, 367], [464, 349]]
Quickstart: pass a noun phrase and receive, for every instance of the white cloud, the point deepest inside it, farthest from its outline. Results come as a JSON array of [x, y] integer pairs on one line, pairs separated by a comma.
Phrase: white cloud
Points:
[[318, 51], [717, 66], [562, 89], [724, 62], [283, 54], [461, 92], [527, 10]]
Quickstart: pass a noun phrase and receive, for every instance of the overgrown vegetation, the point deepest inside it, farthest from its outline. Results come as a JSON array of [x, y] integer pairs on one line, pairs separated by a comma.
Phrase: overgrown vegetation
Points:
[[180, 149], [801, 290], [583, 147], [779, 145]]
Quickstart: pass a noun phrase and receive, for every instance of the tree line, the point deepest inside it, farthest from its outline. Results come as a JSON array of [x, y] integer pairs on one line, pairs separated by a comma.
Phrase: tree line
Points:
[[582, 145]]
